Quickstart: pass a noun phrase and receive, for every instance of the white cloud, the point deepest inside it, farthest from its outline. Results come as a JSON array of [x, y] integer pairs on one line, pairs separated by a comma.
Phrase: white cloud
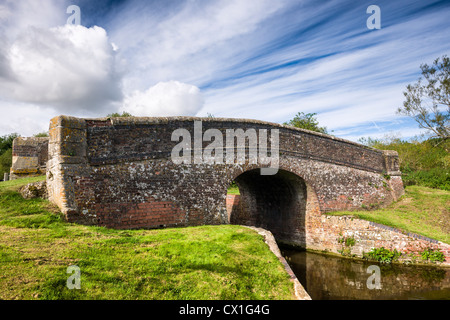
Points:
[[68, 67], [24, 118], [170, 98]]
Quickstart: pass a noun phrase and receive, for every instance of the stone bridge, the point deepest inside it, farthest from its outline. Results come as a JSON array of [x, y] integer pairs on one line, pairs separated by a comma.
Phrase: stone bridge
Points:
[[121, 173]]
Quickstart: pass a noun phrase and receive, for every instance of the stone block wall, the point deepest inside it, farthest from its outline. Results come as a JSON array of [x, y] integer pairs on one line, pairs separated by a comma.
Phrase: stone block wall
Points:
[[328, 233], [29, 156]]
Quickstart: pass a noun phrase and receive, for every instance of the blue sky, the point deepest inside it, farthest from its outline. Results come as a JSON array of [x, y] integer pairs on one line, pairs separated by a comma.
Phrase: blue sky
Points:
[[261, 59]]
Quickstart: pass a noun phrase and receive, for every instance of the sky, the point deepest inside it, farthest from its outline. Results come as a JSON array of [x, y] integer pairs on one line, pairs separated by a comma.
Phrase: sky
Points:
[[259, 59]]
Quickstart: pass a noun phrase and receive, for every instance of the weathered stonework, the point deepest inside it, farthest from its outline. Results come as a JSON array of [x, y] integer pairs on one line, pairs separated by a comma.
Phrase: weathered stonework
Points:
[[118, 173], [29, 156], [34, 190]]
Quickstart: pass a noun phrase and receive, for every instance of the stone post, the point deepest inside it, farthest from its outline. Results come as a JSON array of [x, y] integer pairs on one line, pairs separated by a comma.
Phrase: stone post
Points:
[[67, 161], [394, 176], [5, 177]]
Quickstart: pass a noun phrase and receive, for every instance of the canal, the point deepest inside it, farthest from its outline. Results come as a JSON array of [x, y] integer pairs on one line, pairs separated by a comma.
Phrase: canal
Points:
[[327, 277]]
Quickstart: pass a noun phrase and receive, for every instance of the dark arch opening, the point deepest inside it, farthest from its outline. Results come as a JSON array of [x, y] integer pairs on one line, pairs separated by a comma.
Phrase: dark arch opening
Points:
[[273, 202]]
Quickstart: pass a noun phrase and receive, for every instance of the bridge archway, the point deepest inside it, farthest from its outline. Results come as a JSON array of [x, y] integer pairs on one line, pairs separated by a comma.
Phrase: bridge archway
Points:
[[277, 203]]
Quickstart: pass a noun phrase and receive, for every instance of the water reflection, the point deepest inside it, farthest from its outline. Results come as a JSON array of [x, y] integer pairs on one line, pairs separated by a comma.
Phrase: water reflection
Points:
[[332, 278]]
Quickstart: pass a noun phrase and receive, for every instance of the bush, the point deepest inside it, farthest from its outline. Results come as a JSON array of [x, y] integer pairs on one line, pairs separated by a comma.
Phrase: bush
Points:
[[425, 163], [5, 162], [433, 178], [382, 255], [6, 142], [432, 255]]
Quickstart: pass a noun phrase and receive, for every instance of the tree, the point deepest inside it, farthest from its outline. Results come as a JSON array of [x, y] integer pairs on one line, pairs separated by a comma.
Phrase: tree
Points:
[[41, 134], [6, 142], [428, 100], [116, 114], [6, 152], [5, 162], [306, 121]]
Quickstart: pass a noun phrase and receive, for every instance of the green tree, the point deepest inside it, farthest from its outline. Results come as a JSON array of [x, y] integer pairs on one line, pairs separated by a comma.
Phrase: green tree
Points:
[[41, 134], [422, 162], [428, 100], [5, 162], [116, 114], [306, 121], [6, 142]]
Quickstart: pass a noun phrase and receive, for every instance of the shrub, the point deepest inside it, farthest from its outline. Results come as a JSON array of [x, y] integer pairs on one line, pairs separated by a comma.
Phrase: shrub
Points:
[[425, 163], [5, 162], [432, 255], [382, 255], [434, 178]]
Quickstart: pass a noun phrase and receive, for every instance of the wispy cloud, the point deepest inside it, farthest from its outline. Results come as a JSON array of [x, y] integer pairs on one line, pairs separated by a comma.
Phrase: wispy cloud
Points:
[[259, 59]]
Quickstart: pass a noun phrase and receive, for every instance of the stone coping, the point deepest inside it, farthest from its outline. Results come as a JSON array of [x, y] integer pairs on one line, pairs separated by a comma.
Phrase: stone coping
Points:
[[75, 122], [300, 292]]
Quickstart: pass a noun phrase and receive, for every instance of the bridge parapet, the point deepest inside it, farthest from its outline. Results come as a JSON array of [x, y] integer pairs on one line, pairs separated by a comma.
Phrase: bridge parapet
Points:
[[119, 172]]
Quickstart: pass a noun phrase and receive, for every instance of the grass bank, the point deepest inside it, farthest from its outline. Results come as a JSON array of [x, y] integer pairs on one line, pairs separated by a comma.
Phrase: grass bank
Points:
[[421, 210], [207, 262]]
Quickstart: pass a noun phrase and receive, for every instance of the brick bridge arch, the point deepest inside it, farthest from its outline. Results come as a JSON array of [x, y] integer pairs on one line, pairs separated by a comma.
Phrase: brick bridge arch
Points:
[[279, 203], [118, 173]]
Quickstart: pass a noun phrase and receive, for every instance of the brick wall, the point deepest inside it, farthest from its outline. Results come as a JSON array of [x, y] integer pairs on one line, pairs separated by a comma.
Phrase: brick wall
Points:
[[111, 171], [29, 156]]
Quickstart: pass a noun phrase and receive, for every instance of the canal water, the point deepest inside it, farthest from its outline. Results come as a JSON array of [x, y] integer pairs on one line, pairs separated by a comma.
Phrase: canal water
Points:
[[327, 277]]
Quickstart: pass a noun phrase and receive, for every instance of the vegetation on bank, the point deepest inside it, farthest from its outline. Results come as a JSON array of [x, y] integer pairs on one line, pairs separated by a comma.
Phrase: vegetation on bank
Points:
[[424, 163], [421, 210], [6, 153], [207, 262], [384, 255]]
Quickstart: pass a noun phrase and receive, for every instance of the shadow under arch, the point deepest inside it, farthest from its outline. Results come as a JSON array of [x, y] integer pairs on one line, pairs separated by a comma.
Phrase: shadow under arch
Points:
[[277, 203]]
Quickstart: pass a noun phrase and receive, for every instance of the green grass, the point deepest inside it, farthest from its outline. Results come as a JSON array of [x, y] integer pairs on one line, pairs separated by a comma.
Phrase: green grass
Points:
[[234, 190], [206, 262], [421, 210]]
